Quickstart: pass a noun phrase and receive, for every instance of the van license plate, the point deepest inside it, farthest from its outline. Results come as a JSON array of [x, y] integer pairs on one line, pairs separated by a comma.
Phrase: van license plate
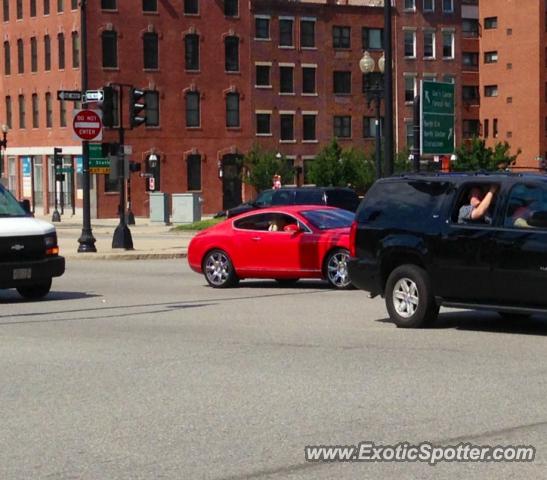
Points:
[[22, 273]]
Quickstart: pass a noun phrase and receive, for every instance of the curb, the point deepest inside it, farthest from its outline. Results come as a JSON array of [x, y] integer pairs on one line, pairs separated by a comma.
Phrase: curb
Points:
[[125, 256]]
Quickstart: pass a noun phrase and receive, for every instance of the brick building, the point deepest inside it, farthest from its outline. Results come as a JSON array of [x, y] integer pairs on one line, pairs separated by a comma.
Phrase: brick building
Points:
[[219, 76]]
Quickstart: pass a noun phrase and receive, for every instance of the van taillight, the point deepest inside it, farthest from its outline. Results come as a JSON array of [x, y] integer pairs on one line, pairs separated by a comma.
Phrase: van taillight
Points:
[[352, 239]]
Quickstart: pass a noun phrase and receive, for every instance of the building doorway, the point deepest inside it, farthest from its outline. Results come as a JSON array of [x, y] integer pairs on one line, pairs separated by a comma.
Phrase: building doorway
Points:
[[231, 180]]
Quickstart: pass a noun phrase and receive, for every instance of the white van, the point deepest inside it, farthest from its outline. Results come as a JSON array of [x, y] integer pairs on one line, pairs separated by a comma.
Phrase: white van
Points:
[[29, 254]]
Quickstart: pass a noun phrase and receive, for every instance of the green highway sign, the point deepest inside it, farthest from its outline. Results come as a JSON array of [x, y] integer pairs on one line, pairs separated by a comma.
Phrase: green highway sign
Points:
[[437, 118], [98, 163]]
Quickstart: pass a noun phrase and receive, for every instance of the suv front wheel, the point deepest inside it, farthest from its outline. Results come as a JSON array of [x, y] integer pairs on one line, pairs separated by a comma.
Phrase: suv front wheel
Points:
[[409, 299]]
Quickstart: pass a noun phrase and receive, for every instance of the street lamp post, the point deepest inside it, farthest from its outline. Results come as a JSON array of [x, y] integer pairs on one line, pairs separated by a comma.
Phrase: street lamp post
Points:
[[3, 146], [374, 91]]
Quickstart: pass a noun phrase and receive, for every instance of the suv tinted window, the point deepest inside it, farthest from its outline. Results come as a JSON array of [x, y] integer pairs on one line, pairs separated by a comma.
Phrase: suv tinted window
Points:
[[524, 201], [283, 197], [343, 198], [312, 197], [265, 198], [406, 204]]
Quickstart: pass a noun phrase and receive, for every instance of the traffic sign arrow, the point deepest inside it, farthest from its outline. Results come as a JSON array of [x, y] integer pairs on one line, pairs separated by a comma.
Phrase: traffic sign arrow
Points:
[[94, 96], [73, 95]]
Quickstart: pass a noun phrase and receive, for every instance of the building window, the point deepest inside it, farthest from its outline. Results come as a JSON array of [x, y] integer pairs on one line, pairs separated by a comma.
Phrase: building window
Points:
[[342, 83], [192, 110], [286, 32], [429, 44], [448, 6], [342, 126], [448, 44], [46, 7], [471, 128], [150, 51], [152, 100], [341, 37], [449, 78], [495, 128], [262, 28], [470, 93], [9, 115], [33, 55], [61, 46], [410, 44], [150, 6], [231, 50], [35, 113], [486, 128], [232, 110], [47, 53], [429, 5], [490, 23], [308, 127], [470, 27], [372, 38], [263, 76], [19, 9], [491, 91], [491, 57], [308, 80], [74, 4], [7, 58], [110, 49], [410, 88], [263, 124], [60, 6], [75, 50], [49, 111], [32, 8], [287, 126], [62, 113], [409, 133], [369, 127], [410, 5], [286, 83], [231, 8], [193, 172], [191, 51], [5, 10], [307, 164], [307, 33], [22, 119], [470, 60], [108, 5], [20, 57], [191, 7]]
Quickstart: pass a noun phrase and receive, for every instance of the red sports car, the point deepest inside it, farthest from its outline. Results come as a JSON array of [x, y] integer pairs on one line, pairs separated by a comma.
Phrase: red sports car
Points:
[[284, 243]]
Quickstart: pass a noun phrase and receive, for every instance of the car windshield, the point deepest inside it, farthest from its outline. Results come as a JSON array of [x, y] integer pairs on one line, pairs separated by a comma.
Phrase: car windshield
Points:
[[264, 198], [329, 219], [9, 207]]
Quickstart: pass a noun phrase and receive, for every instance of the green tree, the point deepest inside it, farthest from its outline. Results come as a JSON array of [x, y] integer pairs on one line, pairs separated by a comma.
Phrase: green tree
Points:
[[326, 170], [476, 156], [262, 166]]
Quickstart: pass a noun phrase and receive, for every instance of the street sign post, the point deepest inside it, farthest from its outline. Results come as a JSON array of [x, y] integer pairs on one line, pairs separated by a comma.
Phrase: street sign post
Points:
[[94, 96], [97, 162], [87, 125], [72, 95], [437, 118]]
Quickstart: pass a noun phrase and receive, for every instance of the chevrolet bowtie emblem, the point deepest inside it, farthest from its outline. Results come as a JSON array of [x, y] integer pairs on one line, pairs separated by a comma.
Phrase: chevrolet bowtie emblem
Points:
[[17, 247]]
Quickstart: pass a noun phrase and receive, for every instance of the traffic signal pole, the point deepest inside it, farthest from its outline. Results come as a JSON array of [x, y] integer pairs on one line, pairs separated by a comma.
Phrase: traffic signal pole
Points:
[[86, 240]]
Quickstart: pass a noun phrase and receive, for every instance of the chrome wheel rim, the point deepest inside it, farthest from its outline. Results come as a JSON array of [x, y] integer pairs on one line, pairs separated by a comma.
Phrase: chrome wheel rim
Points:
[[337, 270], [406, 297], [217, 268]]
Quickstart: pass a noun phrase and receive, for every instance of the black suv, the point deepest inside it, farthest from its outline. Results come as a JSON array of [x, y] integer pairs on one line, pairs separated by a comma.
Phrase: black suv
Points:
[[409, 245], [345, 198]]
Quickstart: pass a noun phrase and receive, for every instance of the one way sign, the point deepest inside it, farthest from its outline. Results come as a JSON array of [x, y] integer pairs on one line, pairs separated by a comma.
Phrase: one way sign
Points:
[[73, 95]]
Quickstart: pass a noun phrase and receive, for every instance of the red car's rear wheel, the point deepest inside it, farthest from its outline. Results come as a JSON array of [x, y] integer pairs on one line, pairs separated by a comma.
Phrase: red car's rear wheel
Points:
[[219, 270]]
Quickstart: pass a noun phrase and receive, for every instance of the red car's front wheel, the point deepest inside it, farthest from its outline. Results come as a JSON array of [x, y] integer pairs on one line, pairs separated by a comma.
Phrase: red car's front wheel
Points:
[[219, 270], [336, 269]]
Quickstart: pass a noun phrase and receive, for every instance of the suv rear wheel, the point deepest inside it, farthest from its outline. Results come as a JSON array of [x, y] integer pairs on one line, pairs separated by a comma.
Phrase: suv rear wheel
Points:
[[409, 300]]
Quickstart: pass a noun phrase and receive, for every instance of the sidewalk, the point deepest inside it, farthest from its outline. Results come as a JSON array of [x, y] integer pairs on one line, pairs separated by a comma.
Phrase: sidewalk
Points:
[[150, 240]]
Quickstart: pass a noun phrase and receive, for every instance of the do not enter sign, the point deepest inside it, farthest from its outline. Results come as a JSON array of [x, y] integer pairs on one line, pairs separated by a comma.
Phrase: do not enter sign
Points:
[[87, 125]]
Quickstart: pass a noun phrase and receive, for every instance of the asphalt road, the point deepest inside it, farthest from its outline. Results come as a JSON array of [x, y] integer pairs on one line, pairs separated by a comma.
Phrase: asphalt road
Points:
[[137, 370]]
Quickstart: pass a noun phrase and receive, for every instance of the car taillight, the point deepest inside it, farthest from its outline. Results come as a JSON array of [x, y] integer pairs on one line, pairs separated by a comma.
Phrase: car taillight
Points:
[[352, 239]]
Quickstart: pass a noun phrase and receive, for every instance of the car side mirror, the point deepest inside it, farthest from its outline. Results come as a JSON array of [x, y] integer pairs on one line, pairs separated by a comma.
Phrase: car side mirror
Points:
[[538, 219], [25, 205], [292, 228]]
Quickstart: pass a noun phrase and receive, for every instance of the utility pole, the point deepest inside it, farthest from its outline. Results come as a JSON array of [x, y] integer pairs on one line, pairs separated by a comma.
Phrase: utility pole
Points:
[[388, 90], [86, 240]]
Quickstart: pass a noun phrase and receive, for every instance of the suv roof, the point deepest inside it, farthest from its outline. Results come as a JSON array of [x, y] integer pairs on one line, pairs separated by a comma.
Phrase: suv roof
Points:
[[461, 177]]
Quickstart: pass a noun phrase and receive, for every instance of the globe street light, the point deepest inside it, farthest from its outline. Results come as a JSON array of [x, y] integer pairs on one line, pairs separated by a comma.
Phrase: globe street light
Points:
[[374, 91]]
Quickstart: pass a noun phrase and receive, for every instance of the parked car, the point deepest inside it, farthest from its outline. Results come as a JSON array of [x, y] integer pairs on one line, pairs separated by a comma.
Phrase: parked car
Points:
[[284, 243], [409, 244], [29, 253], [345, 198]]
